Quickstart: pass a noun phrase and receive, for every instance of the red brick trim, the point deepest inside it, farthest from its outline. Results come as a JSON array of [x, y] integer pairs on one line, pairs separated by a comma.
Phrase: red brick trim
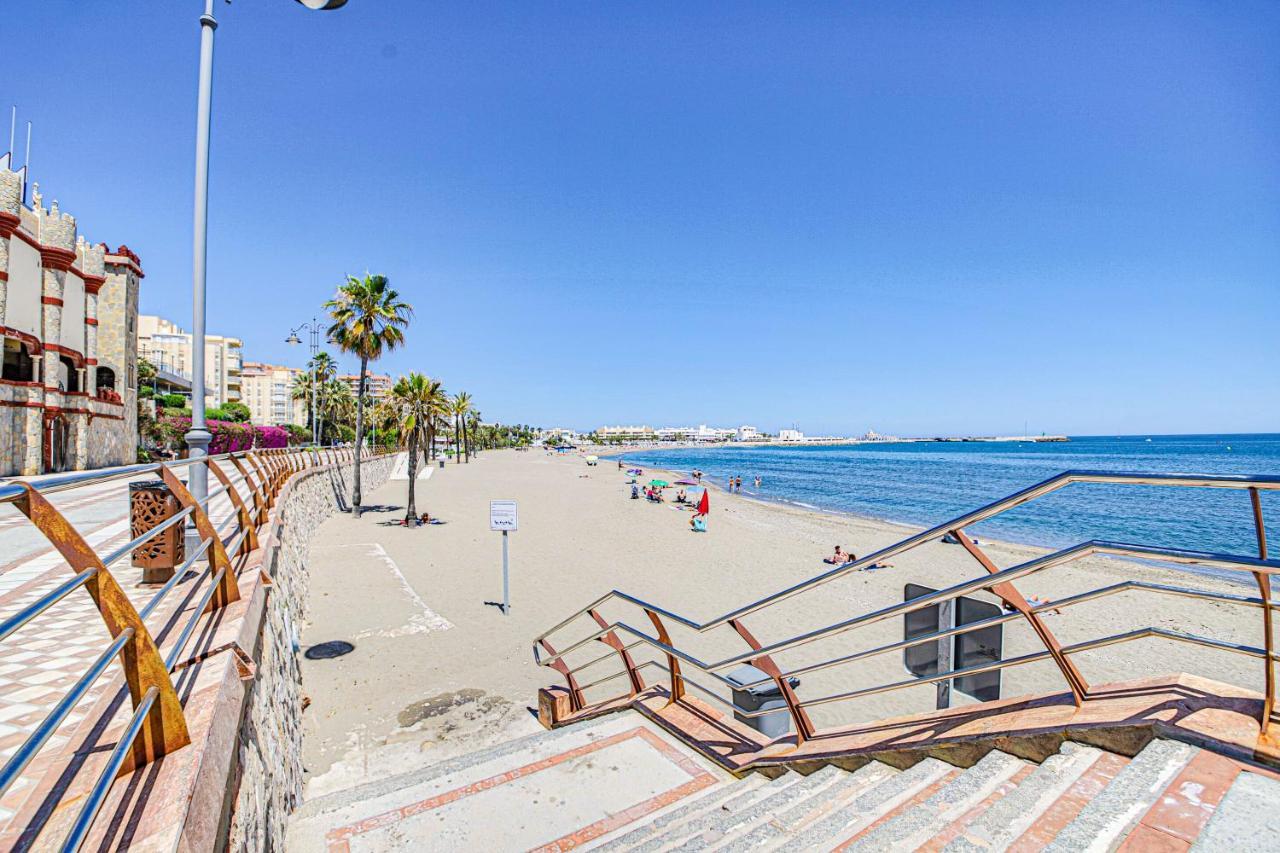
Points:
[[4, 276], [9, 223], [77, 357], [90, 362], [50, 300], [93, 283], [57, 258], [21, 384], [36, 348], [126, 258], [22, 404], [91, 321]]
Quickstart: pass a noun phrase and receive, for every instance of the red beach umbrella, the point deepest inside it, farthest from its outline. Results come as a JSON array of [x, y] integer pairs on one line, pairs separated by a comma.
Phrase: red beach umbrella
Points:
[[704, 505]]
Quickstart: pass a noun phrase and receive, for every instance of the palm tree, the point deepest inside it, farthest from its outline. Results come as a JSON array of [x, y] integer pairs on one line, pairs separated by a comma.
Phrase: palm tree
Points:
[[412, 400], [308, 386], [368, 320], [461, 408]]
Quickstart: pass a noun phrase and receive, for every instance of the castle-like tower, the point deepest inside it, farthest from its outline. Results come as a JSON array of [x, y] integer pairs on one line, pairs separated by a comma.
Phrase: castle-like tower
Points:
[[68, 317]]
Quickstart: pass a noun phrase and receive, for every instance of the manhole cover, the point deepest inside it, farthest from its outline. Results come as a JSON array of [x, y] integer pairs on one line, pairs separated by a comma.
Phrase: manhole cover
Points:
[[331, 649]]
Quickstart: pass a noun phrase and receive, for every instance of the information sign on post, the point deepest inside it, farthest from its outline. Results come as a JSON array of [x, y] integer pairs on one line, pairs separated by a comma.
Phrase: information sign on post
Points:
[[503, 516]]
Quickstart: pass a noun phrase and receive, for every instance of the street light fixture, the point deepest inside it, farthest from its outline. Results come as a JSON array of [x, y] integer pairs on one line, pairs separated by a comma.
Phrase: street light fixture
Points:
[[293, 339], [198, 437]]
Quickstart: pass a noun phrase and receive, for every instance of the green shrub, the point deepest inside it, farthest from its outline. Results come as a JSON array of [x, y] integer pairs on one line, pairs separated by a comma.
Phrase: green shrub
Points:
[[235, 411], [172, 401]]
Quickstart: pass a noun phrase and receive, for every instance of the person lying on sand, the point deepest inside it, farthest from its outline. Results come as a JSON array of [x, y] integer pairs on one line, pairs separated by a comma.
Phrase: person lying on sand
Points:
[[839, 558]]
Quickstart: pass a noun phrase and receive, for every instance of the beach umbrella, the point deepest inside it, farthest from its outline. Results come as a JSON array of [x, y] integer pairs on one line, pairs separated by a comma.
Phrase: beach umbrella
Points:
[[593, 458], [704, 505], [661, 484], [685, 483]]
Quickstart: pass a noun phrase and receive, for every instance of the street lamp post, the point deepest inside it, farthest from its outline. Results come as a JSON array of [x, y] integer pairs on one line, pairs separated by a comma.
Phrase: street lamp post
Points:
[[198, 437], [314, 332]]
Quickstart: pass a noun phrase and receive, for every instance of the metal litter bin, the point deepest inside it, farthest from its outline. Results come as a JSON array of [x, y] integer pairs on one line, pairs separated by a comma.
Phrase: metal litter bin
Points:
[[762, 697]]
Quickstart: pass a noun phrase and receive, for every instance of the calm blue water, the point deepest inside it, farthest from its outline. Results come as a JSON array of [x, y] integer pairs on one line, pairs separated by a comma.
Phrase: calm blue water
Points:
[[927, 483]]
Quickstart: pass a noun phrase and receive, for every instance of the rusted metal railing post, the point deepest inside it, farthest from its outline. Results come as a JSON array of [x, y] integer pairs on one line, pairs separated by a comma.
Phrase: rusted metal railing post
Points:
[[259, 500], [144, 669], [250, 540], [228, 589], [804, 726], [611, 640], [1010, 595], [1264, 590], [677, 682], [576, 700]]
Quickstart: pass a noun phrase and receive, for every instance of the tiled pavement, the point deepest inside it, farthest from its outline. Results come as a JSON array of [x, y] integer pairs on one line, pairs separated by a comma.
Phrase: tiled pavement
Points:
[[43, 659]]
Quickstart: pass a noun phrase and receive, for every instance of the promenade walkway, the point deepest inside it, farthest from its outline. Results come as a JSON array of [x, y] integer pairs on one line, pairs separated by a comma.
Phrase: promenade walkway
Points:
[[44, 658]]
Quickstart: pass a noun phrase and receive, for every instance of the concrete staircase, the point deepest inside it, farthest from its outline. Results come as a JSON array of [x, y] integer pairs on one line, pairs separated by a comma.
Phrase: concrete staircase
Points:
[[622, 784]]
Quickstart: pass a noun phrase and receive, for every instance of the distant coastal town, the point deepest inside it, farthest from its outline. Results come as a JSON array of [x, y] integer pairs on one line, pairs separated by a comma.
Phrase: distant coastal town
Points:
[[749, 435]]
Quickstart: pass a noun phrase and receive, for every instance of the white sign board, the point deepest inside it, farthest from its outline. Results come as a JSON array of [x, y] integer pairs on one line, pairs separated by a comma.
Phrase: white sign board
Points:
[[502, 515]]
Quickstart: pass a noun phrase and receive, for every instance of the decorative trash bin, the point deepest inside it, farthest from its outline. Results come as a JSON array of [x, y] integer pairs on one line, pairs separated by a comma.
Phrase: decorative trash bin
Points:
[[151, 503], [760, 698]]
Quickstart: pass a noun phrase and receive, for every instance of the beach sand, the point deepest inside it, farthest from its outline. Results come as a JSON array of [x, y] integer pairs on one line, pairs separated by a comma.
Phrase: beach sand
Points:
[[580, 536]]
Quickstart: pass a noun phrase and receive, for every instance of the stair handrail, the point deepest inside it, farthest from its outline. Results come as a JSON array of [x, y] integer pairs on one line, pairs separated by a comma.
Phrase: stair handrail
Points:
[[997, 580]]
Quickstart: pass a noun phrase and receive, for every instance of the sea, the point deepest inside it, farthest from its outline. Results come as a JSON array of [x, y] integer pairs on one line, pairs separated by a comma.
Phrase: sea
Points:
[[926, 483]]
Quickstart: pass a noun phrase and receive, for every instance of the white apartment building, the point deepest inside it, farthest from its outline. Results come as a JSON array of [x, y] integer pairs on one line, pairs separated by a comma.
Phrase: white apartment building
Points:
[[376, 385], [790, 435], [267, 389], [747, 433], [702, 432], [626, 433], [168, 347]]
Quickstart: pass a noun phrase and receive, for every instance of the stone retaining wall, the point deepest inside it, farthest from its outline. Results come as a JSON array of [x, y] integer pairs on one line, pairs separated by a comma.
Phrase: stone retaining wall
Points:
[[269, 760]]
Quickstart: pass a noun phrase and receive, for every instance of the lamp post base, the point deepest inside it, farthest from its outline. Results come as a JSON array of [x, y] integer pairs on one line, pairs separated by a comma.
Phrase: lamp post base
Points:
[[198, 440]]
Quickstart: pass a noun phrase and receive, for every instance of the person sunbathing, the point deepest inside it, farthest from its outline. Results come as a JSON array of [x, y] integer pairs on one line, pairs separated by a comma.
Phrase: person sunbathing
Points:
[[839, 558]]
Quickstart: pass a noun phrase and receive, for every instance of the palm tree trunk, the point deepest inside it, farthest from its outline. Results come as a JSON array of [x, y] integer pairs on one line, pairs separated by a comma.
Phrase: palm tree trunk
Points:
[[355, 479], [411, 511], [457, 442]]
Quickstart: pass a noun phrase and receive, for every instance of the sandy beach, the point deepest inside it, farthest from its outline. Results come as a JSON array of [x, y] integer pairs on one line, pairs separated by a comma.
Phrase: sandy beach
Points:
[[435, 662]]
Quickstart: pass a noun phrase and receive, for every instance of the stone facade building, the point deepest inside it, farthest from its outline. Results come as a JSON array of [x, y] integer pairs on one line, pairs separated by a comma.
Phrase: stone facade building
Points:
[[68, 317], [169, 348], [267, 389]]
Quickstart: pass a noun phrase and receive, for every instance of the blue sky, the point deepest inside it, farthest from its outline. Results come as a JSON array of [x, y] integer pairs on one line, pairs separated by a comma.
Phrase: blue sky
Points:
[[921, 218]]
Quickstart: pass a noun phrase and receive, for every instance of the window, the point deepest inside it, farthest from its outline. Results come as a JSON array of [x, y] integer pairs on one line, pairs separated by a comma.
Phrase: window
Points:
[[18, 366]]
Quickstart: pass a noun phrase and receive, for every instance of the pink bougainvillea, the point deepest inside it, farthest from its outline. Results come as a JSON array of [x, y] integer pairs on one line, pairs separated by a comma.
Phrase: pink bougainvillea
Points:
[[272, 436]]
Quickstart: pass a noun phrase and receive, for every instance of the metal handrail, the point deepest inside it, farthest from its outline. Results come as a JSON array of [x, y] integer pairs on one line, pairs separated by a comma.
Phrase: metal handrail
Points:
[[1225, 481], [998, 581], [1065, 555], [261, 481]]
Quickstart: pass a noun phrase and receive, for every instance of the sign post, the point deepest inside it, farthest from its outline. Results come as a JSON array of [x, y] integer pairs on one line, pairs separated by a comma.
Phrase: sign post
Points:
[[503, 517]]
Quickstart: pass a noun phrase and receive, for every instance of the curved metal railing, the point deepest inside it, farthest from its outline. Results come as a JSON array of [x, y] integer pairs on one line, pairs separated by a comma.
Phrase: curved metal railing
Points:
[[250, 482], [997, 581]]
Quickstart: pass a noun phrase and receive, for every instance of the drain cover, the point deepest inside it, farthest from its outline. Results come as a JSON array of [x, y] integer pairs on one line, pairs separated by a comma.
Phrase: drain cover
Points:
[[331, 649]]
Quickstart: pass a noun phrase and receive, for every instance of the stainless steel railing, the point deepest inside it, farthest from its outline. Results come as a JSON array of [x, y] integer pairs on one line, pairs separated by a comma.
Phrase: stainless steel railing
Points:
[[998, 581], [249, 483]]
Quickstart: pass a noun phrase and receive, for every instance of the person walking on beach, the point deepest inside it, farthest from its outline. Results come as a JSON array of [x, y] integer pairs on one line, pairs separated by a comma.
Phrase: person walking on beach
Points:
[[738, 484]]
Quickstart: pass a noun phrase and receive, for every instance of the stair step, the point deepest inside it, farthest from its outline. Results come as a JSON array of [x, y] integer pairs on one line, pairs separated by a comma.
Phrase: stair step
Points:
[[716, 829], [731, 809], [1246, 820], [1108, 817], [679, 813], [867, 808], [917, 825], [518, 746], [776, 831], [1006, 820]]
